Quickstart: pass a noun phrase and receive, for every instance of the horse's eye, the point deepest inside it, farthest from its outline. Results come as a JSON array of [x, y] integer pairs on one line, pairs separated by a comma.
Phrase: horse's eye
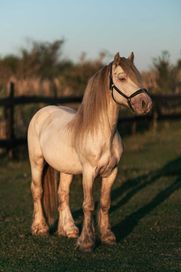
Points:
[[122, 78]]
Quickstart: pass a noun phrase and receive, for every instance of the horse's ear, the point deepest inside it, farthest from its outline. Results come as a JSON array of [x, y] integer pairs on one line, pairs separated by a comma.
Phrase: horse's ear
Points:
[[131, 57], [117, 59]]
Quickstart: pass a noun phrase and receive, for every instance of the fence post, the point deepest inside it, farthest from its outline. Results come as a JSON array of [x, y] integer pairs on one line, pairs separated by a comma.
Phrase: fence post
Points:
[[134, 127], [154, 120], [156, 115], [9, 115]]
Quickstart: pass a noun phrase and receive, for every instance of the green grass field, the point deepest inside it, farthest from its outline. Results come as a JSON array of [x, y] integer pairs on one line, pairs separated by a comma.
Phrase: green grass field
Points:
[[145, 213]]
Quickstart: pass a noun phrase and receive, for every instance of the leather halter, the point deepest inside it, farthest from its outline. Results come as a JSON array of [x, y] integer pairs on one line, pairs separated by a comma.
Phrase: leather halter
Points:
[[128, 98]]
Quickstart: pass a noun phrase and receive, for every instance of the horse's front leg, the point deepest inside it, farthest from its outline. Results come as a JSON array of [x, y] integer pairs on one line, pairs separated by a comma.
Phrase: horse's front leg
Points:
[[86, 240], [106, 235], [66, 226]]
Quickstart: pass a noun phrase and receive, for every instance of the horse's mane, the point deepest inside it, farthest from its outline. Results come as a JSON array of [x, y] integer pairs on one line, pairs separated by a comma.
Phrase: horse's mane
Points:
[[93, 109], [92, 112]]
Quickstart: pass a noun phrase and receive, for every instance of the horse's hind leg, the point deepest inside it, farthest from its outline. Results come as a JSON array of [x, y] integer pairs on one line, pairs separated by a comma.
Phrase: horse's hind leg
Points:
[[66, 226], [106, 235], [39, 226]]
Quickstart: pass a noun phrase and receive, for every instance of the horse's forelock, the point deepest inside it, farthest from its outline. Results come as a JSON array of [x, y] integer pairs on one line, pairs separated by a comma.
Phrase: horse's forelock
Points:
[[130, 69]]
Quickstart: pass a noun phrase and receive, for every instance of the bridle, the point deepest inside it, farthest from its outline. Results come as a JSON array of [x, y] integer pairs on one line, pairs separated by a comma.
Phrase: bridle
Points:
[[128, 98]]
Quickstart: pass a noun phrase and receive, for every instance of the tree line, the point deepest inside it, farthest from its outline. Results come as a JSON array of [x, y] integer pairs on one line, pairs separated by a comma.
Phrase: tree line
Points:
[[42, 68]]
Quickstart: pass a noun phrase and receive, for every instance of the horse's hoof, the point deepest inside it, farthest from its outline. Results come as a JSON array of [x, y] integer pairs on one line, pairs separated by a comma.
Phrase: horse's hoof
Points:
[[74, 234], [109, 242], [70, 233], [85, 246], [39, 229], [109, 239]]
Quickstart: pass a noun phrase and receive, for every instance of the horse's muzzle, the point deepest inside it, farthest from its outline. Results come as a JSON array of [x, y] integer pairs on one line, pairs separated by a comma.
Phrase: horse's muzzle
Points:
[[142, 103]]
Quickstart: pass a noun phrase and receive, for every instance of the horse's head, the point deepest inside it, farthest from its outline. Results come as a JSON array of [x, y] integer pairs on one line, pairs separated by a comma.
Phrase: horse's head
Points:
[[126, 85]]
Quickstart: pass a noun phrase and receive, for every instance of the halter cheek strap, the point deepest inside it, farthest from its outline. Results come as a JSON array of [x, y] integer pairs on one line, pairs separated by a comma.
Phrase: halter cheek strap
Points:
[[128, 98]]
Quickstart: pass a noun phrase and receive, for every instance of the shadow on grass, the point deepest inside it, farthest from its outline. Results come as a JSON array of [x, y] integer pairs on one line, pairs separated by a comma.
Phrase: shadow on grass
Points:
[[125, 227], [133, 186]]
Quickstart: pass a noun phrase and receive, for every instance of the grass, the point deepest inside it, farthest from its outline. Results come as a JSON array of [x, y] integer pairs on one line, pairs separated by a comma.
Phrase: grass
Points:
[[145, 213]]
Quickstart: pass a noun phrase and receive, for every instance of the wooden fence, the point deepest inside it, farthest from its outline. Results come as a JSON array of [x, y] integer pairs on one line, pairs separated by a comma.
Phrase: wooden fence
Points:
[[170, 102]]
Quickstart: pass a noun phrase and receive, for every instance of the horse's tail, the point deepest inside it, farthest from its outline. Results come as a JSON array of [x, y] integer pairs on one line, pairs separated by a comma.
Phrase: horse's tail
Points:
[[50, 194]]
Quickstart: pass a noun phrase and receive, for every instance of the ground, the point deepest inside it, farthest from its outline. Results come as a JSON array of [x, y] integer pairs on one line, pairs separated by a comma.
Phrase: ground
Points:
[[145, 213]]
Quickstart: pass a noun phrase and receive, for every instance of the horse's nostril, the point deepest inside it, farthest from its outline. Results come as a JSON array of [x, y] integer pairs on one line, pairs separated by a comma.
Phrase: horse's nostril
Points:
[[143, 104]]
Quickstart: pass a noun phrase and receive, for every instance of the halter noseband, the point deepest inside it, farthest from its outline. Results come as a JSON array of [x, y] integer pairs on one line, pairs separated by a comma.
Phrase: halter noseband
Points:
[[128, 98]]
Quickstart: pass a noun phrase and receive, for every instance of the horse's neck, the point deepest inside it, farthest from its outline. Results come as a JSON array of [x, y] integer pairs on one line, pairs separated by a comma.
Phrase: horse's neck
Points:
[[112, 117], [98, 114]]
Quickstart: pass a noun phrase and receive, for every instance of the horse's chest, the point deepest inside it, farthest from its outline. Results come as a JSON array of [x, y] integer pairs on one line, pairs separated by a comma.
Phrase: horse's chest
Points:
[[103, 156], [107, 163]]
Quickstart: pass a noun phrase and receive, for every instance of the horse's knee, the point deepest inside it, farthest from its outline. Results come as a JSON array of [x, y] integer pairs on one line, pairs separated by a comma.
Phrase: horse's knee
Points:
[[88, 206], [105, 208], [105, 204]]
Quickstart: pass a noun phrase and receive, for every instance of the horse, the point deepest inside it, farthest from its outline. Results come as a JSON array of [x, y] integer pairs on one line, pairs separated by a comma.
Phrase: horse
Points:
[[68, 142]]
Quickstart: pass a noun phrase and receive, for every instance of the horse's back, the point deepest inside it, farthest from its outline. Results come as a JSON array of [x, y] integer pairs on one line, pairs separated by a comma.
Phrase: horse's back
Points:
[[50, 114]]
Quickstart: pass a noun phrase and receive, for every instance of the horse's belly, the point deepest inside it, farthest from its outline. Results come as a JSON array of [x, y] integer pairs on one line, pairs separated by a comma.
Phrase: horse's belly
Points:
[[63, 159]]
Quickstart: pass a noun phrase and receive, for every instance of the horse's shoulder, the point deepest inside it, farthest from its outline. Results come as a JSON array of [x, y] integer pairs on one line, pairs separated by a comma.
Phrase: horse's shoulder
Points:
[[117, 144], [117, 136]]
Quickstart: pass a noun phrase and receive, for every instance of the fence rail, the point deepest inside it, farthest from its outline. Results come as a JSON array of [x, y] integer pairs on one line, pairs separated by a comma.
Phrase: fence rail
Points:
[[9, 103], [19, 100]]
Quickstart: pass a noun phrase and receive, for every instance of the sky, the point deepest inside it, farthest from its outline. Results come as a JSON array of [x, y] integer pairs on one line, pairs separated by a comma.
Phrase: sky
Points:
[[146, 27]]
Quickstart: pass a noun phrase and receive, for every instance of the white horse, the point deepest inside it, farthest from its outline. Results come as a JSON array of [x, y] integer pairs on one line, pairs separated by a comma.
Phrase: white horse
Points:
[[84, 142]]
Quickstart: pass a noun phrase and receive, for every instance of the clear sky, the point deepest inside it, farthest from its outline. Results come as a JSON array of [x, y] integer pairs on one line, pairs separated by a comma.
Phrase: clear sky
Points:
[[146, 27]]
